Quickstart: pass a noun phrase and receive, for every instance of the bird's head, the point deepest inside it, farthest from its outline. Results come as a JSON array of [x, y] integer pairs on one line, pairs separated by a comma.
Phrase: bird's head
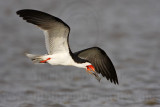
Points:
[[91, 70], [88, 66]]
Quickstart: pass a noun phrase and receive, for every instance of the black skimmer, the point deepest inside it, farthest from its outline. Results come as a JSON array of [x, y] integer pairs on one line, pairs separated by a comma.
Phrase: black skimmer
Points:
[[56, 32]]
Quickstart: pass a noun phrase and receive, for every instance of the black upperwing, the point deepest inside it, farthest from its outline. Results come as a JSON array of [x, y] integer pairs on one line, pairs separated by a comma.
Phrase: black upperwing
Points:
[[39, 18], [102, 63]]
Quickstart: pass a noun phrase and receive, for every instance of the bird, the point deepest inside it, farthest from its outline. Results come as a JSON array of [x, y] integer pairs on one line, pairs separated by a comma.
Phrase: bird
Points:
[[56, 32]]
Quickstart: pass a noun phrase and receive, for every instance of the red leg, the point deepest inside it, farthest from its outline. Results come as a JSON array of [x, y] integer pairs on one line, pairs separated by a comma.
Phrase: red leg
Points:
[[44, 61]]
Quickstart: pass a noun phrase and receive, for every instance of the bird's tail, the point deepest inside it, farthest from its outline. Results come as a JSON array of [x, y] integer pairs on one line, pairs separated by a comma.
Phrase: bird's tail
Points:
[[35, 58]]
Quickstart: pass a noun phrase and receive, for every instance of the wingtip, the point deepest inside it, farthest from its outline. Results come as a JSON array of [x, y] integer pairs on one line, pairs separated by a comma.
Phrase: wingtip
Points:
[[22, 10], [116, 82], [19, 11]]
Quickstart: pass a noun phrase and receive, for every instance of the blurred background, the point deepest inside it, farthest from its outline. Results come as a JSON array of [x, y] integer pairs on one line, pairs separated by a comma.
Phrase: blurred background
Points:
[[129, 32]]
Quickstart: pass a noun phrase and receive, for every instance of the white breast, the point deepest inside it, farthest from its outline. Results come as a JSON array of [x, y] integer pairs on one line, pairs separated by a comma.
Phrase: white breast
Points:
[[65, 59]]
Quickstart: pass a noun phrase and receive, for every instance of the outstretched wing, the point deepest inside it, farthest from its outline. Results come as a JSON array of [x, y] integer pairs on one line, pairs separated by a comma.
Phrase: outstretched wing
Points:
[[99, 59], [55, 30]]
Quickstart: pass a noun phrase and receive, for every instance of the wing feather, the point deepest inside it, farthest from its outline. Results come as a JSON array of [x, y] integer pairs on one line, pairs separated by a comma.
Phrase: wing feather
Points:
[[99, 59], [55, 30]]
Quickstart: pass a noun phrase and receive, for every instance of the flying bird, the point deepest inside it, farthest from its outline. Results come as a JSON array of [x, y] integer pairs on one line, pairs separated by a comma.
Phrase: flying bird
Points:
[[56, 32]]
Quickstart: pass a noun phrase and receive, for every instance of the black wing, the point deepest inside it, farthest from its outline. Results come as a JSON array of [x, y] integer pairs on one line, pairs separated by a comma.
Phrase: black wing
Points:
[[99, 59], [55, 30]]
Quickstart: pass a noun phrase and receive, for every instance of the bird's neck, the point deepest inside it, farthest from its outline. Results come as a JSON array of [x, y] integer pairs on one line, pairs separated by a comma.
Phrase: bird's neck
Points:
[[76, 58]]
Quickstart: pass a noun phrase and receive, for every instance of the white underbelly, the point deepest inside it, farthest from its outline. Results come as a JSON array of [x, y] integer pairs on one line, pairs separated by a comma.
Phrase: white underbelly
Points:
[[64, 59], [61, 59]]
